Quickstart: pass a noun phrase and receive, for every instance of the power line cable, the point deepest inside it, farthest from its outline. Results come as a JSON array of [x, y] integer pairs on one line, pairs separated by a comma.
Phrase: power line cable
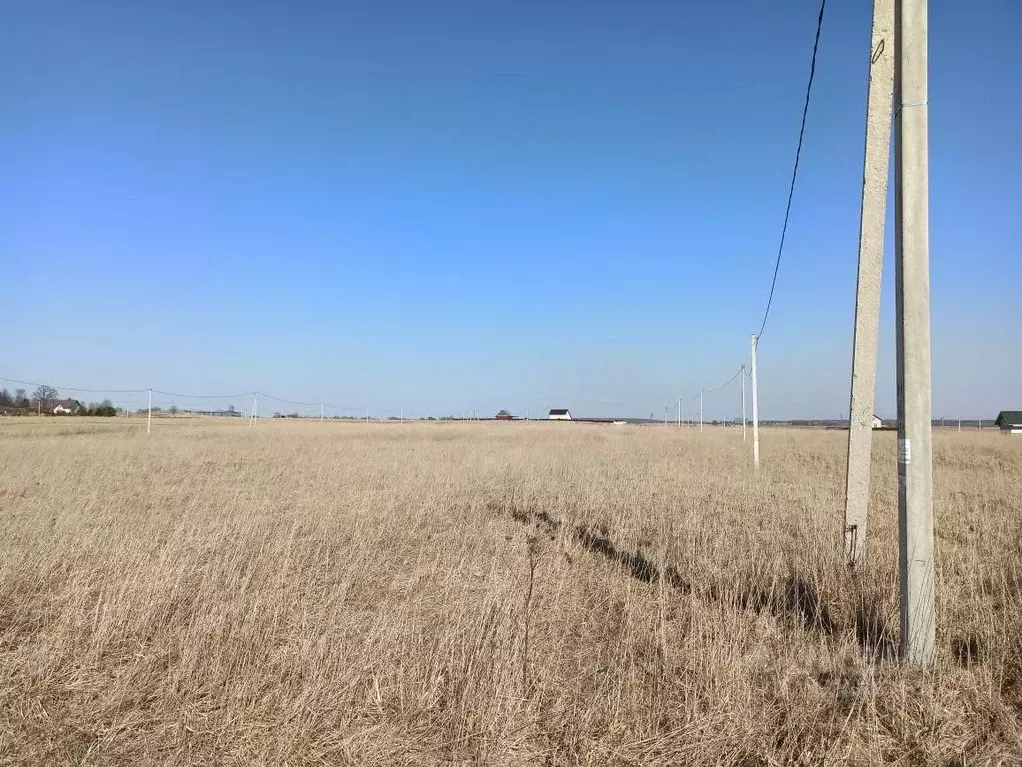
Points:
[[74, 389], [289, 401], [726, 383], [794, 173], [202, 396]]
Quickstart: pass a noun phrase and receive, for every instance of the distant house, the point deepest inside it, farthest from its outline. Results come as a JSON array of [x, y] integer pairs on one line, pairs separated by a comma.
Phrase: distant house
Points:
[[878, 422], [66, 406], [1010, 421], [503, 415], [560, 414]]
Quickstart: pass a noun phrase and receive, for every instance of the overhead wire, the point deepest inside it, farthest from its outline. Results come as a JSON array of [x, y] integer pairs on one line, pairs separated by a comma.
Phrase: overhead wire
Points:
[[202, 396], [794, 173], [75, 389], [787, 208], [726, 383]]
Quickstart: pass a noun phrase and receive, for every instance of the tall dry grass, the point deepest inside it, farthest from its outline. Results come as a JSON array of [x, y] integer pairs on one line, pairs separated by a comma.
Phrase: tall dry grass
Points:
[[498, 594]]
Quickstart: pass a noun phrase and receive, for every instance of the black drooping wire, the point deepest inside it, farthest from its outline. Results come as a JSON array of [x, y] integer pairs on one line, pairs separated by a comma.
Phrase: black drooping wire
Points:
[[794, 173], [732, 378]]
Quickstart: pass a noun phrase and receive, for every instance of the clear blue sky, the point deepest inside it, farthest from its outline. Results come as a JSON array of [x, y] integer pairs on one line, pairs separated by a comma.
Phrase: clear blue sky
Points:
[[468, 204]]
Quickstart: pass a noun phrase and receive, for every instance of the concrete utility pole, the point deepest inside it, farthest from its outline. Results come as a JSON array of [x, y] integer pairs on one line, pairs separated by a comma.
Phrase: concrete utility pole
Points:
[[700, 408], [755, 404], [321, 412], [743, 403], [679, 412], [912, 290], [867, 293], [149, 418]]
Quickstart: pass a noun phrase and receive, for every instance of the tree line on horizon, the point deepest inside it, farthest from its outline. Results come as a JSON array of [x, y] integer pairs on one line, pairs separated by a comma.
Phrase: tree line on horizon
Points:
[[43, 400]]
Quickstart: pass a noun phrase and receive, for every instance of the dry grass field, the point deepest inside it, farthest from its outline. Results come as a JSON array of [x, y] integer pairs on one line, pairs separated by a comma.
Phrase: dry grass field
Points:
[[490, 594]]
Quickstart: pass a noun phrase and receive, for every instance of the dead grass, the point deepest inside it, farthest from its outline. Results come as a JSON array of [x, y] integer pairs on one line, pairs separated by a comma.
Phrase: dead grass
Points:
[[304, 593]]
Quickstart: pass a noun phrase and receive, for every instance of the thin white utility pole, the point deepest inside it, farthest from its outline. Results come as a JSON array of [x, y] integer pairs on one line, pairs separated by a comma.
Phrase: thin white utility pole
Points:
[[700, 408], [321, 412], [367, 416], [912, 291], [743, 403], [679, 412], [867, 292], [959, 425], [755, 405], [666, 408], [255, 410], [149, 418], [402, 415]]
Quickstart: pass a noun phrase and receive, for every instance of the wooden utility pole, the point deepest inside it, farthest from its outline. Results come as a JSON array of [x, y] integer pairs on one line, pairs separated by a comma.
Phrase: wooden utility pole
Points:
[[867, 294], [912, 290]]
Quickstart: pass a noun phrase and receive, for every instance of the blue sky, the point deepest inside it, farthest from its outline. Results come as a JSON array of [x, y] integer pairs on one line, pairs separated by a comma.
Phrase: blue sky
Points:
[[451, 205]]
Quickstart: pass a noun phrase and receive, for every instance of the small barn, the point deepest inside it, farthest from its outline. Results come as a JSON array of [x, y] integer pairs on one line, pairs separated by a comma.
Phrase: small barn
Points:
[[878, 422], [1009, 421], [503, 415], [560, 414]]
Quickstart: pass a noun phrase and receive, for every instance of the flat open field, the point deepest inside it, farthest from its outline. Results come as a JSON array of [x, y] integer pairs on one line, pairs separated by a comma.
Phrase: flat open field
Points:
[[492, 594]]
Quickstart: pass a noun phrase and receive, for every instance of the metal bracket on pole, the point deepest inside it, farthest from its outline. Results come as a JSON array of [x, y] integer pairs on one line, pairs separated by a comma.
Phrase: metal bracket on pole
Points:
[[867, 293]]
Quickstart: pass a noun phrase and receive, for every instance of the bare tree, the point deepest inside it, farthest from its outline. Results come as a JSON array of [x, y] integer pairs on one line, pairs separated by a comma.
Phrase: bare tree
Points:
[[20, 399], [45, 395]]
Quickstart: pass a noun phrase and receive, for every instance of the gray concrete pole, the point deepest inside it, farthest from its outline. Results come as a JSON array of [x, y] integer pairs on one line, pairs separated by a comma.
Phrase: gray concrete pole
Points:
[[755, 405], [149, 417], [867, 293], [743, 403], [912, 290], [679, 412], [700, 408]]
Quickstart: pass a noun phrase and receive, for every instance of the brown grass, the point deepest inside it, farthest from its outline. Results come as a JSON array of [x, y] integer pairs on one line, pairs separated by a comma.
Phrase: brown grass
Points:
[[304, 593]]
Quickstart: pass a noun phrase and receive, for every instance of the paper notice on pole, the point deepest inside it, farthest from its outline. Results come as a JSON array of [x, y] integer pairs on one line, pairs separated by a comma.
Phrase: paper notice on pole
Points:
[[905, 451]]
